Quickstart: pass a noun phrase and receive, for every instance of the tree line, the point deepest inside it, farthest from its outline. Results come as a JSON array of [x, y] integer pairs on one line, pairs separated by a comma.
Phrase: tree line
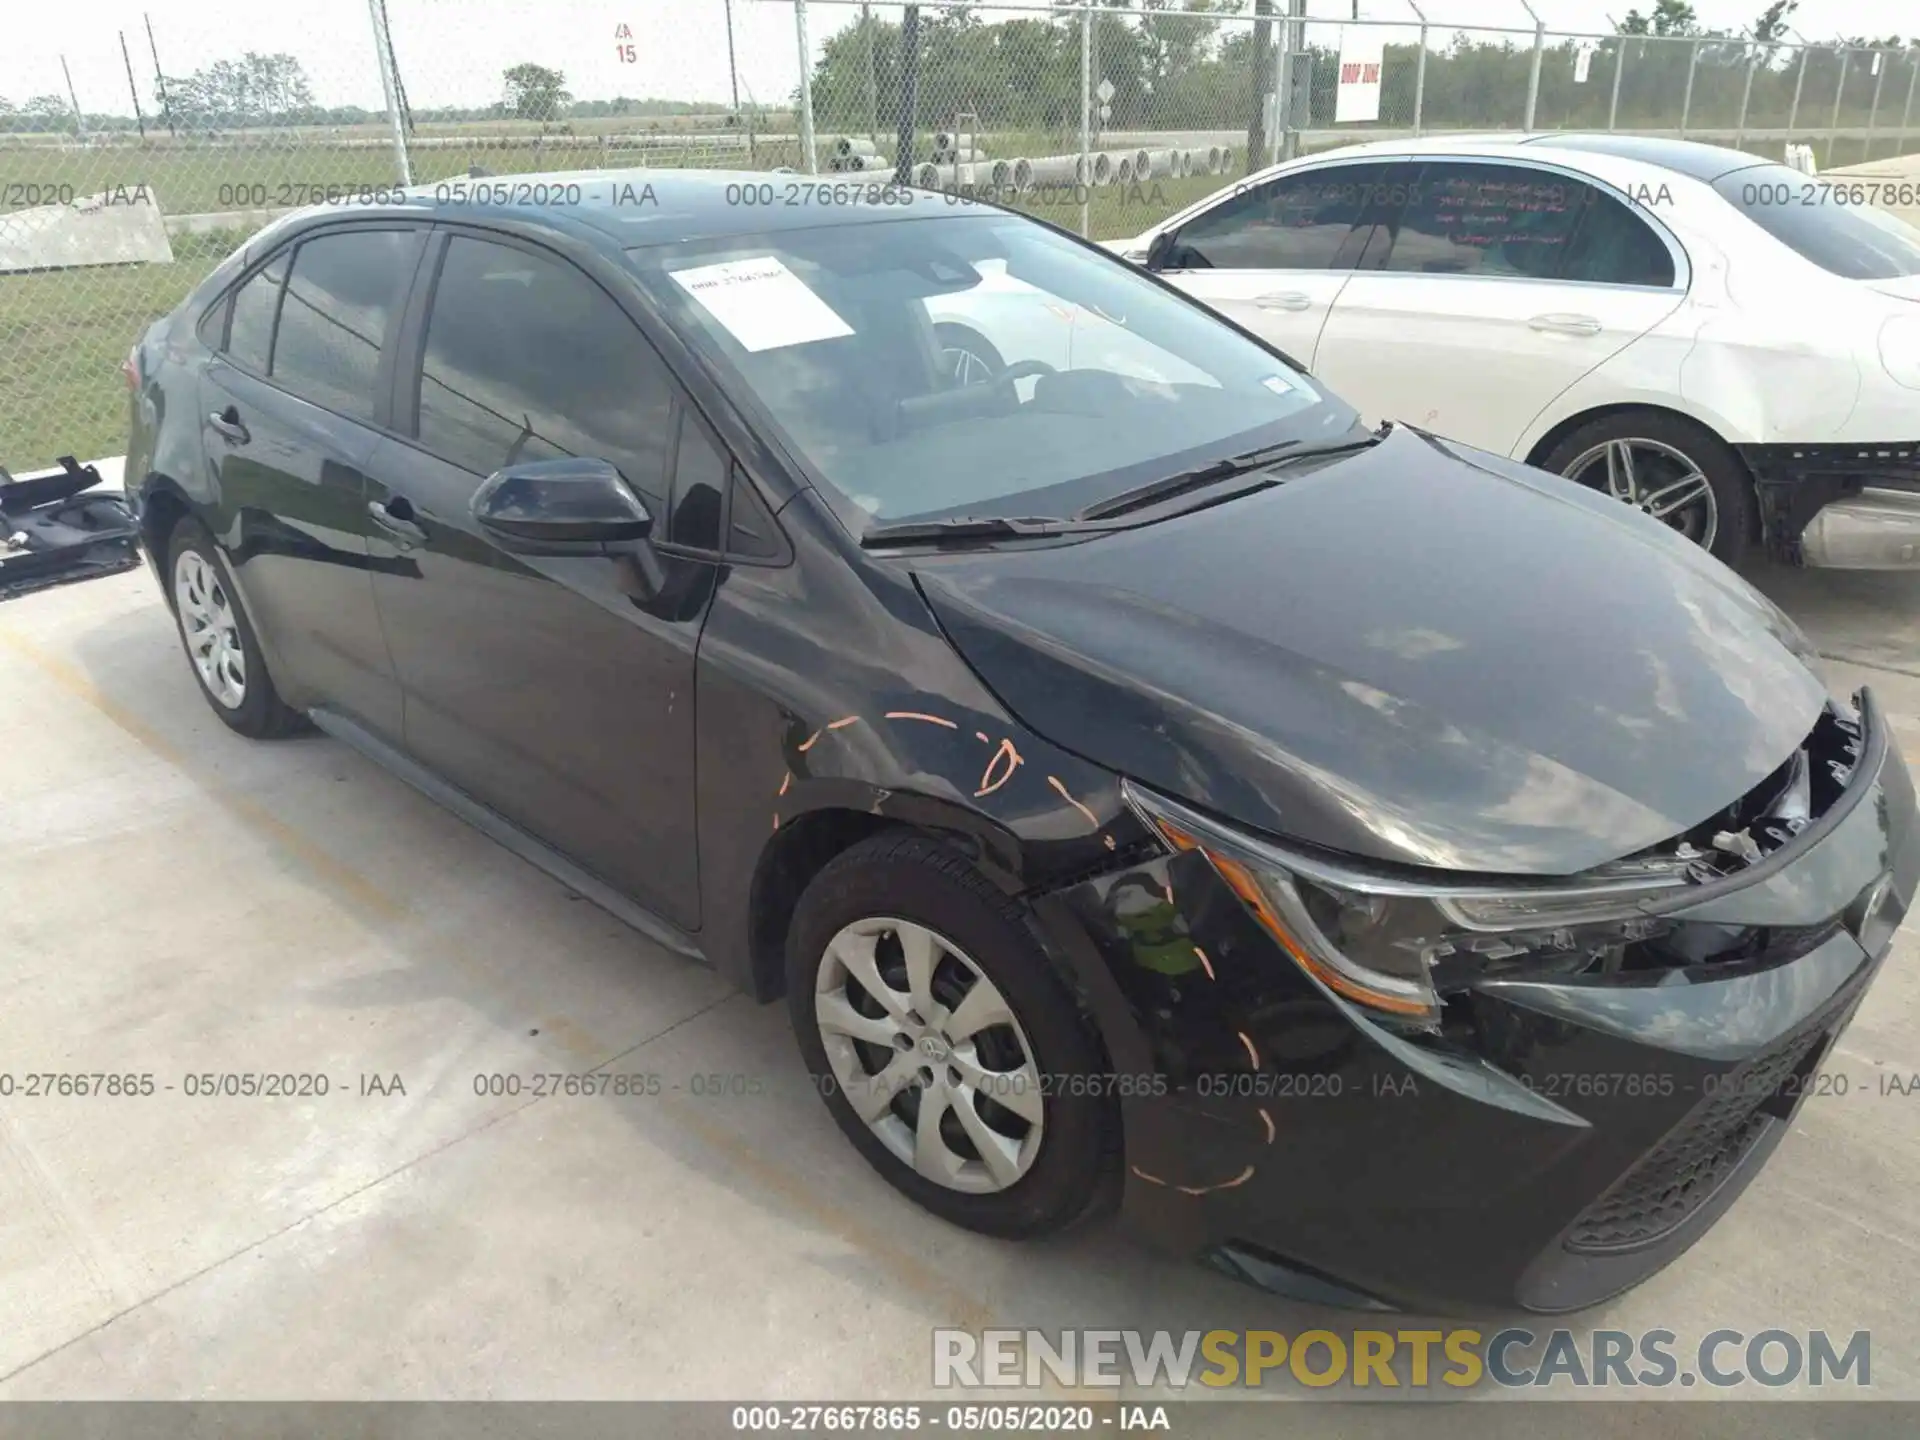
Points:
[[1192, 69]]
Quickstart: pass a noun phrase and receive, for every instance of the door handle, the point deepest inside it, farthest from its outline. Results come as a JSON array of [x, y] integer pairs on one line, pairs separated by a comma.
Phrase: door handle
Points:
[[226, 424], [397, 520], [1566, 324], [1283, 300]]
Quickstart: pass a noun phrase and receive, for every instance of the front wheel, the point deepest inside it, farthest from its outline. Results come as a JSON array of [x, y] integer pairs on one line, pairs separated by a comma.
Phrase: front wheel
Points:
[[1667, 467], [946, 1048]]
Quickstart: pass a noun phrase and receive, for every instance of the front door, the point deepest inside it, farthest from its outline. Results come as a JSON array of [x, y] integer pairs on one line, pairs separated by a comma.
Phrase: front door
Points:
[[541, 687], [1274, 257]]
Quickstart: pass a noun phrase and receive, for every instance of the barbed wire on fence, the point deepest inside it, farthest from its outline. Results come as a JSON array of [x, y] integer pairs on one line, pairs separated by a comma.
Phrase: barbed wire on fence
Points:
[[1103, 116]]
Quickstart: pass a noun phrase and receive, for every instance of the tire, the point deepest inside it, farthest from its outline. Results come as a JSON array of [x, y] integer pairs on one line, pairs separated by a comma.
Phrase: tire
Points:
[[971, 358], [235, 682], [1043, 1180], [1664, 444]]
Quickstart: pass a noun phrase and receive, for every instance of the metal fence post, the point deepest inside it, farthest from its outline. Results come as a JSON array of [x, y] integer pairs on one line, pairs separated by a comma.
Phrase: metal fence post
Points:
[[1533, 73], [1833, 121], [1619, 69], [1799, 79], [1686, 100], [1746, 95], [1086, 118], [1873, 111], [385, 58], [808, 155], [1913, 75], [1419, 71]]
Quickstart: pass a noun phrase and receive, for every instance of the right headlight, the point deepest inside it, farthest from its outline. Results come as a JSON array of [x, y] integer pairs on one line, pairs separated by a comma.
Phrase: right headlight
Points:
[[1396, 946]]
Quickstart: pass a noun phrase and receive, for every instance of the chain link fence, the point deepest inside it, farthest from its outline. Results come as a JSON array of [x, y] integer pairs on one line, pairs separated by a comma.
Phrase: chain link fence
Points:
[[132, 162]]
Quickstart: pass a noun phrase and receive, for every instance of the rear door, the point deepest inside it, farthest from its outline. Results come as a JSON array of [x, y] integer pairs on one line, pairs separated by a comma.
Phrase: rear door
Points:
[[541, 687], [1274, 256], [1490, 291], [289, 410]]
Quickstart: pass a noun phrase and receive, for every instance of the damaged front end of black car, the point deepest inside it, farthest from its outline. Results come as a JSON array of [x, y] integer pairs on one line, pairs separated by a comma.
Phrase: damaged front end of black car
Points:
[[1504, 894], [1471, 1096], [57, 528]]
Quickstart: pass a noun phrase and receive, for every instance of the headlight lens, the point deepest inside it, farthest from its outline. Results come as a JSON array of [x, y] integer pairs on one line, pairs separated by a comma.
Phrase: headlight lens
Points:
[[1398, 946]]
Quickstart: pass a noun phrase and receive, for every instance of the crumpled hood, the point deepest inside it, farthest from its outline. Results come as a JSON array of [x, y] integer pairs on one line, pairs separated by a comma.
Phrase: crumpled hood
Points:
[[1420, 653]]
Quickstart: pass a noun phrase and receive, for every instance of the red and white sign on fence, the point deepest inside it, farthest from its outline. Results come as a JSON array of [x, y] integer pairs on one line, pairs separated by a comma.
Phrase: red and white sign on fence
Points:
[[1358, 96]]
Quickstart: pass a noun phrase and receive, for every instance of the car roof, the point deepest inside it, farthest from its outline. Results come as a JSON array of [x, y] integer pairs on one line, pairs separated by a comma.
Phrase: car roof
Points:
[[643, 207], [1683, 157], [1691, 158]]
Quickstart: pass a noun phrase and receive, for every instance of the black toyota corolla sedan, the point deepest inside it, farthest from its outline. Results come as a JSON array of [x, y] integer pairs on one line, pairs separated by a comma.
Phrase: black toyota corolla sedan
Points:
[[1393, 873]]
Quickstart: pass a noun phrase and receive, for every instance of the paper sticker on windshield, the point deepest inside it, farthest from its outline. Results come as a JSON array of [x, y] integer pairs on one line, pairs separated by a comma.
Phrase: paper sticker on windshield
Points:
[[1279, 384], [763, 304]]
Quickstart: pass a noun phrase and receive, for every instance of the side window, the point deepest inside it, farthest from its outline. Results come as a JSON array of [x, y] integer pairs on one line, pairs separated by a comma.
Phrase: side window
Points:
[[752, 532], [1466, 219], [699, 489], [255, 304], [1309, 221], [527, 359], [1614, 246], [339, 309]]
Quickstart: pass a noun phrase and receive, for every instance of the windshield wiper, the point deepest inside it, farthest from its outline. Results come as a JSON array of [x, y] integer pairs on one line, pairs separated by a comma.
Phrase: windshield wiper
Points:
[[962, 527], [1154, 491]]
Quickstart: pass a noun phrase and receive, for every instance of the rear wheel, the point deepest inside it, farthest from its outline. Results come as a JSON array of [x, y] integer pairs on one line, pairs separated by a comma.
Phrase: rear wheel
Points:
[[947, 1049], [1667, 467], [221, 646]]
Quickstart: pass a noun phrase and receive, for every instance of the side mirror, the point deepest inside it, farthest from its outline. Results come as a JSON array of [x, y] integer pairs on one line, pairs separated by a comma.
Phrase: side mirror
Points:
[[562, 507], [1160, 250]]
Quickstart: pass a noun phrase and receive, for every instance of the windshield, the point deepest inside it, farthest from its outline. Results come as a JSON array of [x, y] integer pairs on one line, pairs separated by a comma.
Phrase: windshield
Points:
[[1811, 217], [976, 365]]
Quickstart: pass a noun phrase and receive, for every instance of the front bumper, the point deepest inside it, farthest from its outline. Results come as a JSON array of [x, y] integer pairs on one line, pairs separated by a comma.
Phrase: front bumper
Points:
[[1556, 1143]]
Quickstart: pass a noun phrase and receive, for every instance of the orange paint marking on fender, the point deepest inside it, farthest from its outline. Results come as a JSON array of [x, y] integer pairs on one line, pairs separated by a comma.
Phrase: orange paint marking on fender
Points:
[[1007, 754], [1092, 819], [1240, 1179], [916, 715]]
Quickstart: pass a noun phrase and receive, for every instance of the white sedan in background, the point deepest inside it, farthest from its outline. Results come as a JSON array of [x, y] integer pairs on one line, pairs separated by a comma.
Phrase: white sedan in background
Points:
[[1729, 344]]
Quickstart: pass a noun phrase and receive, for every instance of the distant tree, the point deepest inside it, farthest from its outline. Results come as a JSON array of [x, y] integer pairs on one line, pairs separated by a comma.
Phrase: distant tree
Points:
[[535, 93], [1669, 17], [47, 112], [1771, 24], [253, 90]]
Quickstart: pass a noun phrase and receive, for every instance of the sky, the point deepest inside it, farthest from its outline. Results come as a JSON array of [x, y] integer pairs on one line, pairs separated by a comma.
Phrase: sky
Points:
[[452, 51]]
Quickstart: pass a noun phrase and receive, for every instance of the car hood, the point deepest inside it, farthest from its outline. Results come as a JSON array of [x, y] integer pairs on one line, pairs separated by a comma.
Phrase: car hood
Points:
[[1419, 653]]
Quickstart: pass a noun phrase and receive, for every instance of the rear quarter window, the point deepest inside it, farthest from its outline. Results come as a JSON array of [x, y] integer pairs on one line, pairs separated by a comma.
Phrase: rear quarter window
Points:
[[1817, 220]]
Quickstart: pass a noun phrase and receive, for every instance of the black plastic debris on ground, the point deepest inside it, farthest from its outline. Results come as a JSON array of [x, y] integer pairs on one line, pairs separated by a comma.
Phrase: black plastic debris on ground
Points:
[[56, 529]]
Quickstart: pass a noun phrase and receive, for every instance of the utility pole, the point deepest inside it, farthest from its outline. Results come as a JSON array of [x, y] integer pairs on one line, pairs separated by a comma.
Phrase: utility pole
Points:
[[1296, 46], [159, 80], [733, 71], [132, 89], [909, 98], [873, 89], [384, 56], [809, 154], [79, 120]]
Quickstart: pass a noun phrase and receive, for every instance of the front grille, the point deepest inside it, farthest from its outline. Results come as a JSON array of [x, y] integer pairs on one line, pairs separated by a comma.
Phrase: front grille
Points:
[[1684, 1170]]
